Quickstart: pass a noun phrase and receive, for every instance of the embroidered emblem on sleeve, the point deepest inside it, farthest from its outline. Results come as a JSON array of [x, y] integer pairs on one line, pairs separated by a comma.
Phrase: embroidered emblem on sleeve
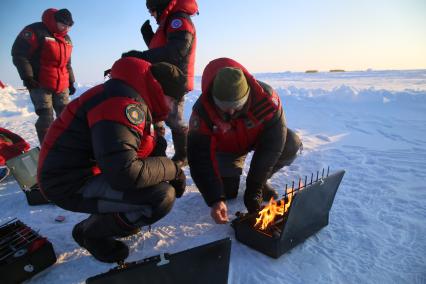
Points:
[[135, 114], [176, 23]]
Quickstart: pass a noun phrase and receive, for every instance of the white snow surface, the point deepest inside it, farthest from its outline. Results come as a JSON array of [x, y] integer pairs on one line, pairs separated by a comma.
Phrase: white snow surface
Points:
[[370, 123]]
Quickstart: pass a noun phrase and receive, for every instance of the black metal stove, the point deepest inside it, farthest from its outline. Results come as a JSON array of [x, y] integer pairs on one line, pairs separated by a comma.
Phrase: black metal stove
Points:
[[23, 252], [307, 214]]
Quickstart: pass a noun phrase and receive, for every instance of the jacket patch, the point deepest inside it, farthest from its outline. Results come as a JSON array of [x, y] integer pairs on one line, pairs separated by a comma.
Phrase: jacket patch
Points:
[[49, 38], [176, 23], [135, 114]]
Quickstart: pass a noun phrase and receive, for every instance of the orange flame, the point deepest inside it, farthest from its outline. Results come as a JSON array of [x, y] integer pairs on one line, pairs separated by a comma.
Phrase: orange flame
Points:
[[268, 213]]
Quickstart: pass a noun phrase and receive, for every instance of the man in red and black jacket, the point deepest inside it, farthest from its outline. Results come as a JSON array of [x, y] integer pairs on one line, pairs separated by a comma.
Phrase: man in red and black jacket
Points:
[[174, 42], [42, 55], [234, 115], [101, 157]]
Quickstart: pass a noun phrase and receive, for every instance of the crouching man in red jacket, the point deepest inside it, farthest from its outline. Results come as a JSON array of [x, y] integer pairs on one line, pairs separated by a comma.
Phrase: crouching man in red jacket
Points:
[[101, 156], [234, 115]]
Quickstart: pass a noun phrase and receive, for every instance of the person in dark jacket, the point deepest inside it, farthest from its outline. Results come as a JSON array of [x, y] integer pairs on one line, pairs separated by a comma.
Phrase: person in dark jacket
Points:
[[42, 55], [174, 42], [101, 157], [234, 115]]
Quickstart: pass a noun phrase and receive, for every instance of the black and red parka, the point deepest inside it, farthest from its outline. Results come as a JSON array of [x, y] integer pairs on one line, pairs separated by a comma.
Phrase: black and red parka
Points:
[[107, 130], [260, 126], [175, 39], [42, 52]]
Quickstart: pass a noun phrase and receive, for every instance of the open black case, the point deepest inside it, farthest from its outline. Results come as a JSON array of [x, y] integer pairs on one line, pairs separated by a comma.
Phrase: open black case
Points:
[[308, 213], [24, 169], [206, 264], [23, 252]]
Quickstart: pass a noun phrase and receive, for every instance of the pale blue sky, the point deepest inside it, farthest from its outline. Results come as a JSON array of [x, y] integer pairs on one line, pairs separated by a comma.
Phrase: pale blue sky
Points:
[[265, 36]]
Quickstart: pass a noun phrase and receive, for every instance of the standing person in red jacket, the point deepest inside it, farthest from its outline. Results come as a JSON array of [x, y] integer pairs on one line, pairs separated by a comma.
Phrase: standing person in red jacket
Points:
[[101, 157], [42, 55], [234, 115], [173, 42]]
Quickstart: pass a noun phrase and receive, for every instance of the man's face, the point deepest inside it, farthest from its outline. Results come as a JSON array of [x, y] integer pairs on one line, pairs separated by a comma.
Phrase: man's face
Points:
[[153, 13], [230, 112], [62, 27]]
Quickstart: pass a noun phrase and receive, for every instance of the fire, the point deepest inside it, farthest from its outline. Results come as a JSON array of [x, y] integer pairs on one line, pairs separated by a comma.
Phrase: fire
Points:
[[267, 215]]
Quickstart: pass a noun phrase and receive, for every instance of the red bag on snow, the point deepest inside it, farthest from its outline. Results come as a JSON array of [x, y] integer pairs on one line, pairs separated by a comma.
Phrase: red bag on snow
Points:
[[11, 145]]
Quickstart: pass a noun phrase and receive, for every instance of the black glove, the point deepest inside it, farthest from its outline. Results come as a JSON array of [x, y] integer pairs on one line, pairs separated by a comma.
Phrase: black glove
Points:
[[160, 147], [133, 53], [147, 32], [179, 183], [253, 196], [107, 72], [71, 89], [30, 83]]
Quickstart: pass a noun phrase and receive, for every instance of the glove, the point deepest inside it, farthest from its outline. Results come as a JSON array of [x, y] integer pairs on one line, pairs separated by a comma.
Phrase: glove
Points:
[[107, 72], [31, 84], [253, 196], [179, 183], [147, 32], [133, 53], [160, 147], [71, 89]]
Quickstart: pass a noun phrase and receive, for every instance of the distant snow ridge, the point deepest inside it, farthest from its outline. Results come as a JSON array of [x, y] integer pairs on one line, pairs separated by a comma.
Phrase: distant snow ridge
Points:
[[15, 103], [350, 94]]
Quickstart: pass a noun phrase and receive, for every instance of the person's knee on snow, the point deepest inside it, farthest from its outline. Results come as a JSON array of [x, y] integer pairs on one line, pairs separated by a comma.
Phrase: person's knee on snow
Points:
[[292, 146], [161, 203]]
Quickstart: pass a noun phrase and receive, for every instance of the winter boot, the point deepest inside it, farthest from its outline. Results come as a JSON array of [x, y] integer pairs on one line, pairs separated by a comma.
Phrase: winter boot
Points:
[[96, 235], [180, 144], [268, 192]]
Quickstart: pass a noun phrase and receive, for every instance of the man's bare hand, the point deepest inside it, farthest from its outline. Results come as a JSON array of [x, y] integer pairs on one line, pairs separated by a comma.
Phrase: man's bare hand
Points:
[[219, 212]]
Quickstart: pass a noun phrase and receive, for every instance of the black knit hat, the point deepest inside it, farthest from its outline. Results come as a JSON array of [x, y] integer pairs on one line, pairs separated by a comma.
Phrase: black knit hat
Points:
[[157, 5], [171, 79], [64, 16]]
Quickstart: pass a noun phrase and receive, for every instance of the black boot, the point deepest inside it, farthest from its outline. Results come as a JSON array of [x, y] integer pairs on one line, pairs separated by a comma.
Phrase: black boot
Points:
[[96, 235], [268, 192], [180, 144]]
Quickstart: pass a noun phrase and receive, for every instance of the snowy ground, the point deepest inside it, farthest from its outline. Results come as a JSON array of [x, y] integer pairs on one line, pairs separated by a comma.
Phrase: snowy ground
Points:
[[372, 124]]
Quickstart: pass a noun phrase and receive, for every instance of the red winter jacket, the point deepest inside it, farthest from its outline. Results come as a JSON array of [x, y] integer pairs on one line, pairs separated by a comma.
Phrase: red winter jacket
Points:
[[42, 52], [107, 130], [260, 126], [175, 39]]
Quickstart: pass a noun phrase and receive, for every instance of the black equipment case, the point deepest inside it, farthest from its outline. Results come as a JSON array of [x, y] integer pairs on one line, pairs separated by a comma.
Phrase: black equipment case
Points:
[[23, 252], [206, 264], [24, 169]]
